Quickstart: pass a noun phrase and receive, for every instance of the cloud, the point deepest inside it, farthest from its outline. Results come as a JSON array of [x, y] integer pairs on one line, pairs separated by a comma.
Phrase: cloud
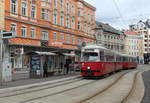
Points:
[[131, 11]]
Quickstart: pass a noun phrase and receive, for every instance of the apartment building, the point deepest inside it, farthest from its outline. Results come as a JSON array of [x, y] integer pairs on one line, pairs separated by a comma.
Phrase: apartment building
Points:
[[109, 37], [41, 26], [134, 45], [144, 29], [2, 14]]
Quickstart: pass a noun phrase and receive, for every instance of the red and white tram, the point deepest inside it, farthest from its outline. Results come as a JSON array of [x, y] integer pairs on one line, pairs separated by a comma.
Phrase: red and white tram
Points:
[[98, 61]]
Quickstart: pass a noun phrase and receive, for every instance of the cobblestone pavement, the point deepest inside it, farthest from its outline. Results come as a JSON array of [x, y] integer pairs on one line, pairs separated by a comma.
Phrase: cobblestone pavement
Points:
[[146, 80]]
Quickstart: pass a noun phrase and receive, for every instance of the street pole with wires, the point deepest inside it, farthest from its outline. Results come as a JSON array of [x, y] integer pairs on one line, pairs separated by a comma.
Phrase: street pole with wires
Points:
[[1, 59]]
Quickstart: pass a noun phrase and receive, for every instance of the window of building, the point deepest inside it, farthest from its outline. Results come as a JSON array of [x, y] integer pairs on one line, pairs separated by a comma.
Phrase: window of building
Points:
[[73, 9], [84, 27], [44, 35], [24, 8], [84, 13], [62, 19], [79, 25], [33, 11], [67, 21], [24, 31], [146, 49], [45, 14], [73, 40], [55, 36], [146, 45], [145, 36], [88, 28], [73, 22], [61, 37], [14, 6], [89, 18], [79, 41], [13, 27], [79, 12], [61, 4], [55, 16], [67, 38], [55, 3], [33, 33], [67, 7]]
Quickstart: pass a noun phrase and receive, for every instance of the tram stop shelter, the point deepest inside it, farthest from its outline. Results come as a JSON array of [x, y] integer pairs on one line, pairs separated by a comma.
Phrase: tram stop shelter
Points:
[[36, 63]]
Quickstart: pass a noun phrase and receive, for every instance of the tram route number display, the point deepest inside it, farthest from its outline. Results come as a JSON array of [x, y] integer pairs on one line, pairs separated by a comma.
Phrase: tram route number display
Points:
[[35, 64]]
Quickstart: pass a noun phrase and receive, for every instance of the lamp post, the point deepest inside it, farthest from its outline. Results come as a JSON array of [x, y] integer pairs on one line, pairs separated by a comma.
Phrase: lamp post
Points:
[[1, 58]]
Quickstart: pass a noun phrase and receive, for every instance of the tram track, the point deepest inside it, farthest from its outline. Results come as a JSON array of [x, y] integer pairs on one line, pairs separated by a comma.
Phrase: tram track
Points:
[[52, 94], [131, 90], [135, 83], [125, 98], [29, 97], [30, 101], [40, 97], [104, 90], [35, 85], [39, 88]]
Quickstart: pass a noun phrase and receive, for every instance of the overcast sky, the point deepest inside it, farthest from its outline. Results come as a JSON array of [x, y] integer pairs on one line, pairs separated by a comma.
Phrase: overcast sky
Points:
[[121, 13]]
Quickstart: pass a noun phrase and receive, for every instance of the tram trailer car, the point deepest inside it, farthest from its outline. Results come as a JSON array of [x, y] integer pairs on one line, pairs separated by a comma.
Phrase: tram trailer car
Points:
[[98, 61], [129, 62]]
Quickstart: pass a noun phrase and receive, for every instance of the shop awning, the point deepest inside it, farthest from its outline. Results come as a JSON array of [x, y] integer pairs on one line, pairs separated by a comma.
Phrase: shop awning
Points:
[[69, 54], [45, 53]]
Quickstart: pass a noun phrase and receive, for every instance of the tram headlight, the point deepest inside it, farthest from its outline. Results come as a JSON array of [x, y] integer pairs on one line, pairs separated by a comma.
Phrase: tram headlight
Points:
[[88, 68]]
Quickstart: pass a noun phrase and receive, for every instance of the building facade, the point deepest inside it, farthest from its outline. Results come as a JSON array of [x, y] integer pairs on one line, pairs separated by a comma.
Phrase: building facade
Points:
[[144, 29], [58, 26], [109, 37], [2, 12], [134, 45]]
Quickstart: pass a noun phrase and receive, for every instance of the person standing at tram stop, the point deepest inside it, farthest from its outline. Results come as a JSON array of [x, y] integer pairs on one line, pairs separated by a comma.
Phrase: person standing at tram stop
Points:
[[45, 68], [68, 62]]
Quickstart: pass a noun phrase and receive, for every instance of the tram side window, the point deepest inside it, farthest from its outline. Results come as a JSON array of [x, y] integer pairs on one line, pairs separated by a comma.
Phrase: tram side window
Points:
[[102, 56], [109, 57], [125, 59], [118, 58]]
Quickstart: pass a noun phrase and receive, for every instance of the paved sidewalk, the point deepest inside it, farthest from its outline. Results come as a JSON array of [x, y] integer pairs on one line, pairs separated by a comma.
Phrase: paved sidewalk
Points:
[[146, 80], [22, 82]]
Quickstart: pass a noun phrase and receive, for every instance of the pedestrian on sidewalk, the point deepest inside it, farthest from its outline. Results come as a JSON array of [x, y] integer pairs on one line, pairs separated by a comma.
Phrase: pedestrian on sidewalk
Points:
[[45, 73]]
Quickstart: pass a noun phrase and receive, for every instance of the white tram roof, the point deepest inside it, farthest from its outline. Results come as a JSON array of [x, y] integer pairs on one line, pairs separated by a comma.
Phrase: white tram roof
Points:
[[126, 55], [94, 46]]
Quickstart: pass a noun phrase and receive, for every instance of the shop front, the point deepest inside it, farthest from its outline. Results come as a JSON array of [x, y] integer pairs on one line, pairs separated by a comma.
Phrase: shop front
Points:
[[30, 61]]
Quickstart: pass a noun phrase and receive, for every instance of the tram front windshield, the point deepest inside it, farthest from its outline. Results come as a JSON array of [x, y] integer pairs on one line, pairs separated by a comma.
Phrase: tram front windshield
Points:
[[90, 56]]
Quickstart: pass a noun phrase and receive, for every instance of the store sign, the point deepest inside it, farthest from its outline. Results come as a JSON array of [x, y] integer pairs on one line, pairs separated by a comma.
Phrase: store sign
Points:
[[44, 43], [55, 43]]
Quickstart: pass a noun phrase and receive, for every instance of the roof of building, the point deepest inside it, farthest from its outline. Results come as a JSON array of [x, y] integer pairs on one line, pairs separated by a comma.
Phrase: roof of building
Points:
[[147, 23], [131, 33], [88, 4], [107, 28]]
